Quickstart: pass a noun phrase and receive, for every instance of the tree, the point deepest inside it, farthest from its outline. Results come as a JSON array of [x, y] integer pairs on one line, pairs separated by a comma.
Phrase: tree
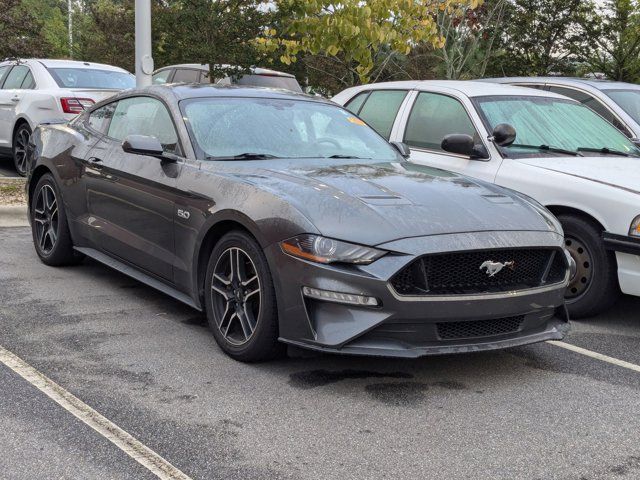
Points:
[[470, 35], [20, 31], [358, 38], [614, 34], [217, 32], [541, 37]]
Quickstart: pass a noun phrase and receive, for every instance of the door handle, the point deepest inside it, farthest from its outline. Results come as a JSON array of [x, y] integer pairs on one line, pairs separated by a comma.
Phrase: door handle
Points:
[[15, 99], [95, 160]]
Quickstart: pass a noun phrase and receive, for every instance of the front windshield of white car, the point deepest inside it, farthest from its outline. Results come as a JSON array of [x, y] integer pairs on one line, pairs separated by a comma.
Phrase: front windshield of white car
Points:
[[240, 128], [628, 100], [548, 126]]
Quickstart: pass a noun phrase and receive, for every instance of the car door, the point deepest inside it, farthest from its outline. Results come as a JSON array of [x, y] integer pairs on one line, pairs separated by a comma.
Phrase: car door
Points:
[[10, 96], [431, 117], [131, 197]]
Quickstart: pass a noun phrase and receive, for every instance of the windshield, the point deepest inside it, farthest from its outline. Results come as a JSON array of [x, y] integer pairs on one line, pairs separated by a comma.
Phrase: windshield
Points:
[[553, 122], [223, 128], [92, 78], [628, 100]]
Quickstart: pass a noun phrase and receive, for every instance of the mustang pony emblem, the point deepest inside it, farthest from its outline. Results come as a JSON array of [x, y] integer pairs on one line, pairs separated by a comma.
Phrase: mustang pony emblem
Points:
[[495, 267]]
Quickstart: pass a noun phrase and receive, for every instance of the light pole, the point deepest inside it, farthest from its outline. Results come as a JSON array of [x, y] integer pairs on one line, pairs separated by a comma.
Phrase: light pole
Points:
[[70, 20], [144, 60]]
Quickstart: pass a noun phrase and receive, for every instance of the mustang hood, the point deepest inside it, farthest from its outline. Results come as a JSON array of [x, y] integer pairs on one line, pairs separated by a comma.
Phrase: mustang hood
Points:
[[376, 203], [619, 172]]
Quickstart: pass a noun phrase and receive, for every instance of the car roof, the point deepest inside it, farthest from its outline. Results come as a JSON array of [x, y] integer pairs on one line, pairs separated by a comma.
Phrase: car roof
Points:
[[596, 83], [470, 88], [205, 68], [182, 91], [53, 63]]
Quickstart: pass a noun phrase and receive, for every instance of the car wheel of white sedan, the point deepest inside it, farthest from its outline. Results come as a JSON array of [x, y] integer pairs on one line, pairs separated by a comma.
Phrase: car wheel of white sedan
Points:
[[20, 143], [594, 287]]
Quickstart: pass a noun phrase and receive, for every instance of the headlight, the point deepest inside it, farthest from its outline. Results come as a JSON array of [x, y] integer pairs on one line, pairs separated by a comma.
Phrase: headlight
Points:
[[326, 250], [634, 231]]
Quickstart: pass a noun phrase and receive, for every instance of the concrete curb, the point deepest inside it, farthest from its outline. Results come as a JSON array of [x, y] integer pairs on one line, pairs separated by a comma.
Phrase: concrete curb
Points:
[[13, 216]]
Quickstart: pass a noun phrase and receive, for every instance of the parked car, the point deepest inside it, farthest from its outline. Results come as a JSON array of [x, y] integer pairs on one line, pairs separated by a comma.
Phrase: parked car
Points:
[[285, 217], [616, 102], [550, 147], [40, 90], [199, 73]]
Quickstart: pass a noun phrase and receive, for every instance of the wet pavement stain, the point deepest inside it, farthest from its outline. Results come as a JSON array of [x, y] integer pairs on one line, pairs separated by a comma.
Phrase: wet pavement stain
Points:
[[398, 393], [320, 378]]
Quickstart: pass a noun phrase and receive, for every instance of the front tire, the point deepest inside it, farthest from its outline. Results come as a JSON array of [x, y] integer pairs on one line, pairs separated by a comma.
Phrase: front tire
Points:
[[594, 288], [49, 227], [240, 299], [21, 139]]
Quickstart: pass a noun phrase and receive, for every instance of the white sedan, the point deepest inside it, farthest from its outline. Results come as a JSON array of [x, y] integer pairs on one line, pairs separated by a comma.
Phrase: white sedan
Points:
[[35, 91], [547, 146]]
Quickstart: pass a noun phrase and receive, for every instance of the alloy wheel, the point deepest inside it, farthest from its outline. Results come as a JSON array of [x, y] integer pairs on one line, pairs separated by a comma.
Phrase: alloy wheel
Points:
[[46, 219], [236, 296], [580, 282], [20, 150]]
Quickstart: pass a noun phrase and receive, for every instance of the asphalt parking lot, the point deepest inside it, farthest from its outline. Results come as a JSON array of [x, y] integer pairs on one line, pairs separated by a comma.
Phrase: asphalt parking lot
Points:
[[149, 365]]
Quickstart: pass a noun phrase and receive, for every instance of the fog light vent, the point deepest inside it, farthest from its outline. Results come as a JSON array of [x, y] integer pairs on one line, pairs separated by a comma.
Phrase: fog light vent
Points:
[[338, 297]]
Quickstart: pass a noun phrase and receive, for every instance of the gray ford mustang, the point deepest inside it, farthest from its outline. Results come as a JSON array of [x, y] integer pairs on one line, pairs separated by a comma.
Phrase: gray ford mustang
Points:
[[290, 221]]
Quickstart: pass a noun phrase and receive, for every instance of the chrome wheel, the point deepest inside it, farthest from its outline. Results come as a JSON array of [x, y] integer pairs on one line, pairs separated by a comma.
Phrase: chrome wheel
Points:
[[236, 296], [21, 143], [580, 282], [46, 219]]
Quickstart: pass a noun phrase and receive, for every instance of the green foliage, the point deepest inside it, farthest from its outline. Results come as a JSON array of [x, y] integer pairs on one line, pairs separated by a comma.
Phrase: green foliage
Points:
[[20, 31], [353, 33], [614, 37]]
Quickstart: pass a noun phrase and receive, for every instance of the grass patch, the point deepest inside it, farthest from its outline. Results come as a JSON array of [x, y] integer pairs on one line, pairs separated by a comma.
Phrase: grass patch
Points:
[[12, 192]]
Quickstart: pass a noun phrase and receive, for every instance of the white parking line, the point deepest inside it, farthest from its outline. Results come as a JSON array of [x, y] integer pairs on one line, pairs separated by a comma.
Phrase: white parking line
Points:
[[596, 355], [121, 439]]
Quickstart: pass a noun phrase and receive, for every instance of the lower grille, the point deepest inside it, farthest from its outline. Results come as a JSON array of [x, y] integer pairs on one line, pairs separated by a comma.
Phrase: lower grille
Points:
[[481, 271], [479, 328]]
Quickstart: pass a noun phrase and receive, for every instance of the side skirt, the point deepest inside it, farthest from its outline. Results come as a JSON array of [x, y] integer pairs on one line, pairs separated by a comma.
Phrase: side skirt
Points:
[[138, 275]]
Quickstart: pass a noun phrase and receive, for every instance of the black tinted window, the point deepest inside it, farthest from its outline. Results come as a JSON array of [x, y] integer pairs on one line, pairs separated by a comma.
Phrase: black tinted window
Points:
[[355, 104], [381, 108], [3, 72], [15, 77], [187, 75], [144, 116], [99, 119], [434, 116]]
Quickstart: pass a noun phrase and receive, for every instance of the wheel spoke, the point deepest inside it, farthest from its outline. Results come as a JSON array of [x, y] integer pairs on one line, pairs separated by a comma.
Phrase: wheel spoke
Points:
[[42, 238], [245, 325], [248, 282], [53, 236], [251, 293], [221, 289], [225, 320]]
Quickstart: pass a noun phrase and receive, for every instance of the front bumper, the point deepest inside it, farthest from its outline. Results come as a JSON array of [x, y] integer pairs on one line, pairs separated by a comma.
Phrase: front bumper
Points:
[[627, 251], [411, 326]]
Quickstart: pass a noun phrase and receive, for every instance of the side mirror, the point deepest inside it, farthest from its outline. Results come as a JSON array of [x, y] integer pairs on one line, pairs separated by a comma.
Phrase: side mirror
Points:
[[402, 148], [463, 144], [144, 145], [504, 135]]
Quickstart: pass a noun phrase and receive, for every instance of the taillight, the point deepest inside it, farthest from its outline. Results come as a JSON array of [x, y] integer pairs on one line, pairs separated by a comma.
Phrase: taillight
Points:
[[75, 105]]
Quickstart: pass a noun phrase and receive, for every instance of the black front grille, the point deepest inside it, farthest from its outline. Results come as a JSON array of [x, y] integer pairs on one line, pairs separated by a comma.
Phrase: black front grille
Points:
[[463, 273], [479, 328]]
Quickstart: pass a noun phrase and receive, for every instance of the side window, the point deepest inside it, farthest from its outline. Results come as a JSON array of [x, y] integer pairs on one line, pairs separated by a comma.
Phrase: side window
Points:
[[161, 77], [204, 77], [594, 104], [434, 116], [144, 116], [381, 108], [99, 119], [15, 77], [3, 73], [187, 75], [355, 104], [28, 83]]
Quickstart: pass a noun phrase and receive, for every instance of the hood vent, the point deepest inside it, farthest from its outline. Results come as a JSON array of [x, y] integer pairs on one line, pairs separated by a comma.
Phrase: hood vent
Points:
[[384, 199]]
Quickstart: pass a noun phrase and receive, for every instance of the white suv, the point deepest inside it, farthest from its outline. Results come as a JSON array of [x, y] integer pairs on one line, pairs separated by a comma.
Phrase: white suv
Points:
[[36, 91]]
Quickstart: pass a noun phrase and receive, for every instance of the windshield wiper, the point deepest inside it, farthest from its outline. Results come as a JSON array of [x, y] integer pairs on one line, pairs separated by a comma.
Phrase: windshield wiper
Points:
[[245, 156], [606, 151], [547, 148], [350, 156]]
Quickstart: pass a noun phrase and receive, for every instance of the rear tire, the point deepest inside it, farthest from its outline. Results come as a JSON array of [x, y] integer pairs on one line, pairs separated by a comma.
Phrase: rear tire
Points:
[[49, 227], [21, 139], [594, 288], [240, 299]]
